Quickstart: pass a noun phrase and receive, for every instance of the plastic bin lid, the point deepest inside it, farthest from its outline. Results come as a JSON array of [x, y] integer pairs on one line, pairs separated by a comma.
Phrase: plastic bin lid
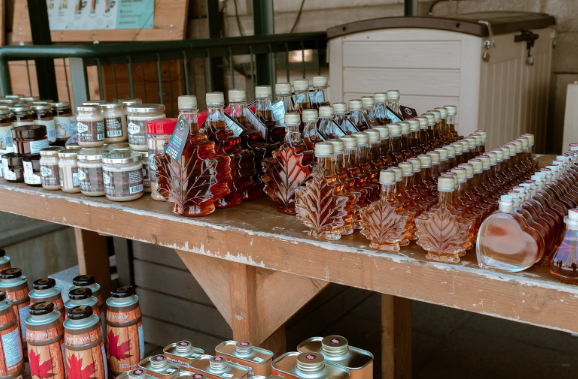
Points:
[[469, 23]]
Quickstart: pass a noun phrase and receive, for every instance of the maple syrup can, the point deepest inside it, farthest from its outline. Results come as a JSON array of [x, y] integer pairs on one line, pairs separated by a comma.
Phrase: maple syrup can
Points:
[[219, 368], [336, 349], [45, 336], [138, 373], [124, 331], [16, 287], [45, 290], [256, 359], [159, 367], [11, 353], [308, 365], [182, 353], [4, 259], [83, 345]]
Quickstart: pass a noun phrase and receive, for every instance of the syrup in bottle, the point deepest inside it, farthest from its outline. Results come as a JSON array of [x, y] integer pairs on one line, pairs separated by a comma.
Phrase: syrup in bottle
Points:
[[451, 156], [380, 108], [368, 103], [431, 137], [327, 127], [444, 129], [413, 141], [301, 97], [458, 147], [342, 118], [563, 261], [423, 136], [364, 163], [352, 221], [374, 151], [451, 122], [355, 173], [356, 116], [406, 151], [385, 145], [311, 134], [263, 110], [319, 96], [395, 152]]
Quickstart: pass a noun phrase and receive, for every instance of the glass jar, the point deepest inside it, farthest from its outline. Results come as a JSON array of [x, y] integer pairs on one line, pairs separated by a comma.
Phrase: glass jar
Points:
[[29, 139], [63, 124], [90, 124], [14, 96], [114, 122], [32, 174], [43, 116], [122, 174], [73, 145], [8, 102], [5, 130], [146, 174], [12, 169], [138, 115], [90, 171], [126, 102], [119, 146], [2, 152], [94, 102], [20, 114], [30, 99], [49, 172], [159, 133], [68, 170]]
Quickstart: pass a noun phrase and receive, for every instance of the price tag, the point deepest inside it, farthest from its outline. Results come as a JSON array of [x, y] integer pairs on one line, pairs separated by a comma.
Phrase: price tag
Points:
[[176, 144], [234, 125], [255, 121], [337, 129], [407, 112]]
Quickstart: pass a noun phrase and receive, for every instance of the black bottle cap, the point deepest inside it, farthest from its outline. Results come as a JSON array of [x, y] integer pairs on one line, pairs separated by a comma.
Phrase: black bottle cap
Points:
[[44, 284], [80, 312], [83, 280], [80, 293], [2, 252], [10, 273], [2, 295], [42, 308], [29, 131], [124, 291]]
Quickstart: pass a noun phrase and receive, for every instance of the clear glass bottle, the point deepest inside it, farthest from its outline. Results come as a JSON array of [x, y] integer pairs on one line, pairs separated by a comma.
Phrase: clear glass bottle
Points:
[[374, 150], [405, 150], [393, 102], [385, 145], [380, 108], [451, 122], [342, 118], [283, 93], [327, 127], [431, 137], [353, 171], [364, 163], [301, 98], [368, 103], [356, 115], [159, 133], [352, 221], [311, 134], [444, 129], [413, 141], [319, 95], [423, 141], [395, 153], [437, 127], [264, 111]]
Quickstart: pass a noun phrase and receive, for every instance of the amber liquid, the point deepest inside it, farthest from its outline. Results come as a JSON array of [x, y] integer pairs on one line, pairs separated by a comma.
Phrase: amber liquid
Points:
[[275, 132], [563, 261]]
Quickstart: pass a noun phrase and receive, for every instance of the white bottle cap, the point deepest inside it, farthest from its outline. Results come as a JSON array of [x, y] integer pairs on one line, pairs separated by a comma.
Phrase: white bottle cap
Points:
[[486, 163], [471, 143], [236, 95], [443, 154], [435, 157], [319, 81], [301, 84], [394, 130], [393, 95], [482, 133], [362, 138], [524, 140], [477, 165], [431, 118], [413, 125], [425, 160], [530, 138], [493, 157], [292, 118], [477, 138], [338, 145], [452, 110], [373, 135], [380, 97], [215, 98], [573, 215], [404, 127], [263, 91], [387, 177], [512, 147], [458, 147], [499, 154], [187, 102], [367, 101], [423, 123], [326, 111], [451, 151], [354, 105], [461, 173], [283, 88], [323, 149], [383, 132], [350, 142], [398, 173], [437, 114], [443, 112], [445, 184], [406, 168], [416, 163], [469, 169], [310, 115], [340, 107], [518, 145]]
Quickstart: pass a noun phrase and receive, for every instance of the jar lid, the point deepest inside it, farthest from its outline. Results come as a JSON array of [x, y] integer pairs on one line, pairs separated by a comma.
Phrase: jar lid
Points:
[[10, 273], [92, 154], [161, 125], [124, 291], [80, 312], [13, 159], [145, 108], [69, 153], [41, 107], [61, 104], [121, 156], [42, 308], [119, 146], [282, 88], [29, 131], [9, 101], [88, 108], [14, 96], [44, 284], [80, 293], [31, 98], [20, 107], [73, 145], [112, 105], [130, 101], [94, 102], [83, 280]]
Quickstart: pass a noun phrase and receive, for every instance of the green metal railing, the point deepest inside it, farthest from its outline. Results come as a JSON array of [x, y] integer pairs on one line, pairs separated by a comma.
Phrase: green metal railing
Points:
[[277, 48]]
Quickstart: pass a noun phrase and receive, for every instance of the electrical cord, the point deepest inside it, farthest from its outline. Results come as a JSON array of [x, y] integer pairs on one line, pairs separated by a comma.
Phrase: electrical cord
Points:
[[238, 19], [298, 16]]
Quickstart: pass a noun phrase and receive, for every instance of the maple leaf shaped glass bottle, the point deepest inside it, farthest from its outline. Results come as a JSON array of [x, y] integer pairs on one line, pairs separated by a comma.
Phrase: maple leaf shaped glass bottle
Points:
[[264, 111], [201, 176], [242, 162], [301, 97], [321, 203], [319, 95], [364, 164], [356, 116], [383, 222], [327, 127], [311, 134], [342, 118], [289, 167], [340, 164], [354, 173], [563, 261], [380, 108], [439, 231]]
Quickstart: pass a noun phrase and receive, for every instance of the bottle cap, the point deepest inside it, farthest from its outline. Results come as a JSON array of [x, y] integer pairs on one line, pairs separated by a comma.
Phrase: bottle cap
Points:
[[319, 81], [446, 184], [506, 200], [443, 112], [394, 130], [469, 169], [461, 173], [80, 312], [161, 126], [416, 163], [301, 84], [354, 105], [282, 89], [458, 147], [124, 291], [406, 168], [387, 177], [83, 280], [44, 284], [422, 122], [477, 165], [425, 160], [326, 111], [338, 145], [350, 142], [380, 97], [443, 154], [340, 107], [10, 273], [482, 133], [431, 118], [236, 95], [215, 98], [383, 132], [437, 114], [367, 101], [373, 135], [530, 138], [435, 157], [452, 176], [393, 95], [518, 145], [471, 143], [493, 157], [512, 148], [263, 91], [525, 142], [451, 151], [362, 138], [310, 115], [292, 118], [413, 125], [477, 138], [80, 293], [499, 154], [404, 127], [40, 309], [573, 215], [398, 173], [452, 110], [323, 149]]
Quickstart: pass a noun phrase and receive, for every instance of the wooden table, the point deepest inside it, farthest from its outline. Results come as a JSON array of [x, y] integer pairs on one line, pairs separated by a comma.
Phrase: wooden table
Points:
[[259, 267]]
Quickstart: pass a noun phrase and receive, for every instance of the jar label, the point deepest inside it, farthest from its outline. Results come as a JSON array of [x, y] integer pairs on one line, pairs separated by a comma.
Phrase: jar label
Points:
[[64, 127], [137, 132], [146, 178], [8, 175], [90, 131], [36, 146], [12, 348], [75, 179], [50, 128], [50, 175], [30, 177], [5, 137], [90, 179], [124, 183], [113, 127]]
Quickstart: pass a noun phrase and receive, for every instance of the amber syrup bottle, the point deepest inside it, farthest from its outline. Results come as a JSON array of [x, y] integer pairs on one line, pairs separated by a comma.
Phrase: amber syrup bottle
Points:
[[465, 206], [444, 129], [319, 96], [364, 164], [540, 214], [368, 104], [311, 134], [409, 198], [434, 170], [354, 172], [393, 102], [423, 136], [420, 192], [385, 145], [429, 192], [326, 125], [341, 172], [486, 180], [413, 141], [356, 116], [459, 148], [533, 222], [275, 131], [242, 160], [301, 97], [342, 118], [395, 153], [451, 156], [451, 122], [500, 172], [479, 189], [283, 92], [374, 150], [380, 108], [482, 133], [478, 138], [563, 261], [443, 160], [431, 137], [405, 150]]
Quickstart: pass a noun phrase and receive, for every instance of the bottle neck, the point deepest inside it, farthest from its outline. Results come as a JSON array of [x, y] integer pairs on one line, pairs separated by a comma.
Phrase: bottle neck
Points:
[[287, 101], [190, 117], [451, 123], [302, 99], [350, 157], [263, 108], [237, 108], [435, 170], [215, 113], [379, 111], [445, 198], [363, 154], [395, 144], [375, 151], [325, 165], [394, 106], [293, 135], [339, 161], [387, 191]]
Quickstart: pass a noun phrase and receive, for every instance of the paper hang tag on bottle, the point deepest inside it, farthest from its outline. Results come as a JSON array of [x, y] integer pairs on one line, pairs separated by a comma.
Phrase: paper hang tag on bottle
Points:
[[255, 121], [234, 125], [316, 98], [370, 121], [394, 117], [178, 140], [300, 98], [278, 109], [337, 130], [407, 112], [348, 127]]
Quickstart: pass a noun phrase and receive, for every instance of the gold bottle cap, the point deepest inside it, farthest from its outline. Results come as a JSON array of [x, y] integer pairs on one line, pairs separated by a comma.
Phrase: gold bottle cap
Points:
[[437, 114], [469, 169], [443, 154], [423, 123], [404, 127], [319, 81], [452, 110], [326, 111], [394, 130], [445, 184], [354, 105], [310, 115], [471, 143], [518, 145], [431, 118], [459, 148], [340, 107], [413, 125], [493, 157], [236, 95], [443, 112], [499, 154], [416, 163], [425, 160], [323, 149], [187, 102], [530, 138], [451, 151], [461, 173], [406, 168], [435, 157], [393, 95], [362, 138], [477, 165], [486, 163], [282, 88], [373, 135], [367, 101], [350, 142], [263, 91], [338, 145], [215, 98], [525, 141], [383, 132], [292, 118], [398, 173], [387, 177], [380, 97]]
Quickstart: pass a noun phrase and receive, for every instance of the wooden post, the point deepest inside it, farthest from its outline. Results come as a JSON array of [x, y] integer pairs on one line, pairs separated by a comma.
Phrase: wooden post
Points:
[[396, 337], [92, 253], [242, 287]]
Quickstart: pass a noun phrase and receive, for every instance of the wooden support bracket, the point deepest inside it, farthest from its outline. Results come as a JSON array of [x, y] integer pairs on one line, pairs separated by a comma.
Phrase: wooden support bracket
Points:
[[92, 253], [396, 337]]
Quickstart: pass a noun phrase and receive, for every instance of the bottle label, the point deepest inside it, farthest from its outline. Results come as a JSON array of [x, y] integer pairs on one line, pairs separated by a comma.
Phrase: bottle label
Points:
[[407, 112], [5, 137], [137, 132], [278, 110], [146, 178], [336, 130], [29, 176], [64, 127], [50, 128], [234, 125], [90, 179], [90, 131], [124, 183], [36, 146], [50, 175], [12, 349], [255, 121], [176, 144], [113, 127]]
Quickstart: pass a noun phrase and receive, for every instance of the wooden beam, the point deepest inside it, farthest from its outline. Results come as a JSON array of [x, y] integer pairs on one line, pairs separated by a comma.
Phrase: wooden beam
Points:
[[395, 337], [243, 294], [277, 342], [92, 253]]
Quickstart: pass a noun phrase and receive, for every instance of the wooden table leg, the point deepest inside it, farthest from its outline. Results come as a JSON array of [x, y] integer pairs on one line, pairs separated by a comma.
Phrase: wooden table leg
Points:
[[396, 337], [92, 253]]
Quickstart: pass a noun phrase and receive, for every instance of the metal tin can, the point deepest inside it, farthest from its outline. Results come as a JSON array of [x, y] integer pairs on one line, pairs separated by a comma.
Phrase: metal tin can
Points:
[[11, 353], [4, 259], [45, 336], [16, 287], [336, 349], [83, 296], [182, 353], [256, 359], [190, 375], [159, 367], [124, 331], [45, 290], [310, 365], [219, 368], [83, 345], [88, 281], [138, 373]]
